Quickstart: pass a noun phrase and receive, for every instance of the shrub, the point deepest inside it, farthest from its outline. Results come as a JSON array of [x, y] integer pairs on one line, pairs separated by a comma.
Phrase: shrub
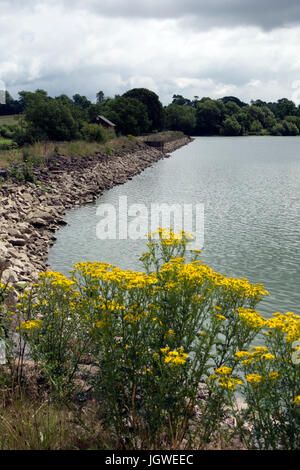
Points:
[[153, 347], [154, 336], [95, 133]]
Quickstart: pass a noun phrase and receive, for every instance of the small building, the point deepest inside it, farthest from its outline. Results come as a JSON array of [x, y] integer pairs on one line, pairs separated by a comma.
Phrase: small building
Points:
[[105, 122]]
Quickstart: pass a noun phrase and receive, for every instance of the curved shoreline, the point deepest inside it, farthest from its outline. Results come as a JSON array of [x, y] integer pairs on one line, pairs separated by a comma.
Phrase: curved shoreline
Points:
[[30, 214]]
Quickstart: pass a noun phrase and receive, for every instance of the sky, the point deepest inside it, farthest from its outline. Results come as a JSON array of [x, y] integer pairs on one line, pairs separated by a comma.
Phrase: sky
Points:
[[246, 48]]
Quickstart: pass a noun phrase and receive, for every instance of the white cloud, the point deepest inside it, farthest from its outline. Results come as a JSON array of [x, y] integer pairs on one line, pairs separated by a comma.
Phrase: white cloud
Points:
[[68, 49]]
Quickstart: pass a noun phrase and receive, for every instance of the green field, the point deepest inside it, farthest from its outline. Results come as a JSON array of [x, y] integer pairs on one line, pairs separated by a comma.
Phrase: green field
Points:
[[12, 119]]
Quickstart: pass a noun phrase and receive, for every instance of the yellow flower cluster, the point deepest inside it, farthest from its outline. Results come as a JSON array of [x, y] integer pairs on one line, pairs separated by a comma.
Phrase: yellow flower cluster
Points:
[[251, 317], [168, 235], [224, 378], [31, 324], [110, 274], [258, 353], [174, 358], [288, 324], [56, 279], [296, 400], [254, 379]]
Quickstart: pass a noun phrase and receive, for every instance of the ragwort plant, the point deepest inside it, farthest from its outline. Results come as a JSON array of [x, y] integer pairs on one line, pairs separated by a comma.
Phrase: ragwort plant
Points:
[[152, 344], [271, 386]]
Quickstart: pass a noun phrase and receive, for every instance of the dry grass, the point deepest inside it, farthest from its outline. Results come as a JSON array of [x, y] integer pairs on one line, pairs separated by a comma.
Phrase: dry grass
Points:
[[42, 151]]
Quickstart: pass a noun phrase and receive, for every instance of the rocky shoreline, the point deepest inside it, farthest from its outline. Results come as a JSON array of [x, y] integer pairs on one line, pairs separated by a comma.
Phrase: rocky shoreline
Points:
[[30, 214]]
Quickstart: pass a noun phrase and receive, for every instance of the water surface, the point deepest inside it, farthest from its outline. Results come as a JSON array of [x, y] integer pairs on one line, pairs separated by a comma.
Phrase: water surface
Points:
[[250, 188]]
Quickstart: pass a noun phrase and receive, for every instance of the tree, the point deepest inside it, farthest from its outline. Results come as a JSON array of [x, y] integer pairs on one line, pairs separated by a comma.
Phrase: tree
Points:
[[277, 129], [231, 108], [244, 119], [100, 97], [256, 126], [286, 107], [232, 127], [233, 99], [81, 101], [181, 101], [290, 128], [129, 115], [210, 116], [49, 119], [154, 107], [181, 118]]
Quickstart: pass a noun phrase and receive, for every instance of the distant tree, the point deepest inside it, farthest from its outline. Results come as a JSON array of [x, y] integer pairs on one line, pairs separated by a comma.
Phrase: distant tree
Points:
[[256, 126], [65, 100], [154, 107], [210, 116], [181, 101], [49, 119], [233, 99], [129, 114], [286, 107], [81, 101], [278, 129], [100, 97], [232, 108], [181, 118], [232, 126], [294, 119], [290, 128], [244, 119], [258, 103], [256, 113]]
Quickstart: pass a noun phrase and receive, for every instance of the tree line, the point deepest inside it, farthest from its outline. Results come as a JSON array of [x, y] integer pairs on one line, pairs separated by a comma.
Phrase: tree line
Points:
[[139, 111], [230, 116]]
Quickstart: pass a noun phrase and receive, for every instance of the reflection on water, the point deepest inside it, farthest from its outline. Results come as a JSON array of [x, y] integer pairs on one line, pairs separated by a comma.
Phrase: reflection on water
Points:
[[250, 187]]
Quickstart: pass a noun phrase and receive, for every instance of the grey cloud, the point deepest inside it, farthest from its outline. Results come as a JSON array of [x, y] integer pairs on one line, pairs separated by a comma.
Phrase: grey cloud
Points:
[[266, 14]]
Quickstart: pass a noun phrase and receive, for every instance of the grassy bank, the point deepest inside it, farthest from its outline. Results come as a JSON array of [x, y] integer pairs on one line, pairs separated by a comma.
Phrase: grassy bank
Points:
[[40, 152]]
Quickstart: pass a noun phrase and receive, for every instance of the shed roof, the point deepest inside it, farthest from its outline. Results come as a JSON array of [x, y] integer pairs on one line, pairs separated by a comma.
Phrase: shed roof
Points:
[[102, 118]]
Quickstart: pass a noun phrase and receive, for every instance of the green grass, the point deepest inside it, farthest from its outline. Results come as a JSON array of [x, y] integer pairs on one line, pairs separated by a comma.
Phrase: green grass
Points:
[[42, 151], [12, 119]]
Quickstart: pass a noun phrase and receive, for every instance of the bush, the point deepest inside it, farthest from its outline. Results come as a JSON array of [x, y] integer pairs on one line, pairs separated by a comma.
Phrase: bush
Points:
[[95, 133], [161, 340]]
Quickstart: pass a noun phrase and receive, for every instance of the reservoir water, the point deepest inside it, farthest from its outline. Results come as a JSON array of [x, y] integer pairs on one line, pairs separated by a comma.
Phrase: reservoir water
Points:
[[250, 189]]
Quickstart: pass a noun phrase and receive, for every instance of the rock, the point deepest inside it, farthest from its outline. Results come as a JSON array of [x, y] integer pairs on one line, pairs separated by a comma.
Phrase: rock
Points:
[[30, 214]]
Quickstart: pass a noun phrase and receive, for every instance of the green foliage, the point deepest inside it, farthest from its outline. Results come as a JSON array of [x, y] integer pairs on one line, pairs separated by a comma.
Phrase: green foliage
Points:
[[277, 129], [7, 144], [154, 107], [148, 345], [49, 119], [256, 127], [94, 133], [145, 333], [64, 118], [129, 114], [232, 126], [210, 115], [179, 118]]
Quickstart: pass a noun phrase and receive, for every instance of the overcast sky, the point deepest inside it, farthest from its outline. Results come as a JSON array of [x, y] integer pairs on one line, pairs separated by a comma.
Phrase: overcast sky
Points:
[[246, 48]]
